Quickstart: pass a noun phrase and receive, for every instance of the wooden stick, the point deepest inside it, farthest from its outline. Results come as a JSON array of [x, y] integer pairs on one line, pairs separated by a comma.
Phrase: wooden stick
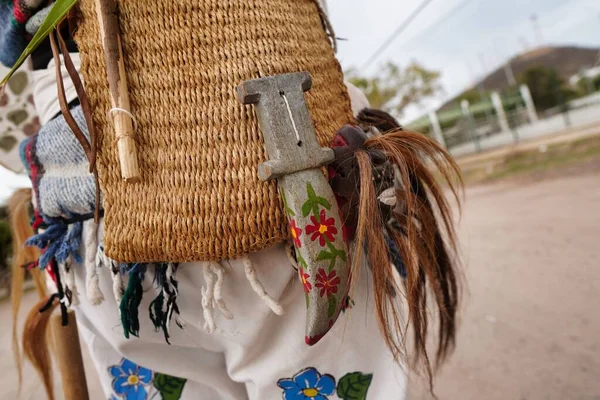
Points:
[[69, 357], [117, 81]]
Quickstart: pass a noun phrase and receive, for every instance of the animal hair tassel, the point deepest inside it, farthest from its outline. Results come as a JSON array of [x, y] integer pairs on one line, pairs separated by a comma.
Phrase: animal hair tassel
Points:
[[35, 341], [408, 228]]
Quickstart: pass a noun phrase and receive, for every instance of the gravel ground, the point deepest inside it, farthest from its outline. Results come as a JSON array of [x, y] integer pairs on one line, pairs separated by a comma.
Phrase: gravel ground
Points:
[[530, 326]]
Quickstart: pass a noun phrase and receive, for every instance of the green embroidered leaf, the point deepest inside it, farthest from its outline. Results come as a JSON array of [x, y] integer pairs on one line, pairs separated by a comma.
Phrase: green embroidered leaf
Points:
[[332, 307], [288, 210], [313, 202], [309, 206], [354, 386], [324, 203], [331, 255], [307, 299], [56, 14], [310, 190], [324, 255], [170, 387], [301, 261]]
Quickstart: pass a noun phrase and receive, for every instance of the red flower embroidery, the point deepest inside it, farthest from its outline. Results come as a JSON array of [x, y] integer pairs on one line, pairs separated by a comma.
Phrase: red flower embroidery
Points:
[[328, 284], [296, 232], [324, 229], [304, 278]]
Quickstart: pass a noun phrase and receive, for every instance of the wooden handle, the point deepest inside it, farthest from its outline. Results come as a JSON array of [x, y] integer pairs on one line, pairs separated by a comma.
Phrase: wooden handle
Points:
[[117, 81], [69, 357]]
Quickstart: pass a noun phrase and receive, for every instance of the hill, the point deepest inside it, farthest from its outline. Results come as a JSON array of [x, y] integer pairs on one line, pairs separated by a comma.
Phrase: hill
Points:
[[567, 60]]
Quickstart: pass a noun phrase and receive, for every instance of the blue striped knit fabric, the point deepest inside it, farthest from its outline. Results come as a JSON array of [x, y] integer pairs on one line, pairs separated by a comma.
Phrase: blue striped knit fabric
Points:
[[14, 15], [59, 169], [12, 35]]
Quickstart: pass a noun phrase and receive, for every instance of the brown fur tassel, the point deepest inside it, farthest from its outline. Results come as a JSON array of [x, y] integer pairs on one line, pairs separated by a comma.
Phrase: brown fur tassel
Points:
[[35, 341], [381, 120], [427, 247], [18, 208]]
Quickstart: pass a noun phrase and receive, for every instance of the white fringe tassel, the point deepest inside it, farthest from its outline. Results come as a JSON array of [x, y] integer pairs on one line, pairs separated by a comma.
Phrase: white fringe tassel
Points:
[[217, 269], [208, 293], [92, 279], [258, 287], [118, 285]]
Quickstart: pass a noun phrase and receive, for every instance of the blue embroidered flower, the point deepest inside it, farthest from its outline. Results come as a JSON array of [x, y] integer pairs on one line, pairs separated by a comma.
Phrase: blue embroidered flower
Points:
[[130, 380], [308, 384]]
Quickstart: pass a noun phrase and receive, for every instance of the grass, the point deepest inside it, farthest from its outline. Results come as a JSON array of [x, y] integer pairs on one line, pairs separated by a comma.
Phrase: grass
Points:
[[526, 162]]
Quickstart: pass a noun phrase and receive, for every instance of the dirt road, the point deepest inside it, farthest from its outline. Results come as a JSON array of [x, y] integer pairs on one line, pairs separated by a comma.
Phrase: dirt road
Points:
[[531, 323]]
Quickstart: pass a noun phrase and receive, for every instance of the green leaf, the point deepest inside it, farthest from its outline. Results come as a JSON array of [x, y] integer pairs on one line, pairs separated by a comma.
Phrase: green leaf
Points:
[[170, 387], [288, 210], [336, 252], [301, 261], [311, 191], [54, 17], [332, 307], [324, 255], [307, 207], [313, 200], [331, 255], [322, 201], [354, 386]]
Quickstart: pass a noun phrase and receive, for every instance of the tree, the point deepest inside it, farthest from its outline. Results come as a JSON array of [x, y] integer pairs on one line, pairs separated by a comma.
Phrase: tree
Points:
[[597, 82], [547, 88], [395, 88]]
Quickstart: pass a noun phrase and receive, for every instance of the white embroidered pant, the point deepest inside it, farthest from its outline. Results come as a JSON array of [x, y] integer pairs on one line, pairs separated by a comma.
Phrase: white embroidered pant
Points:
[[255, 355]]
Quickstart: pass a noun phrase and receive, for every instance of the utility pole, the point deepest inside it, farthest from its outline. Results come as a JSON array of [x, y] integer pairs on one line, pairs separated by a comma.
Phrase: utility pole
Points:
[[510, 75], [507, 65], [538, 30], [437, 129], [481, 89], [466, 110], [524, 43]]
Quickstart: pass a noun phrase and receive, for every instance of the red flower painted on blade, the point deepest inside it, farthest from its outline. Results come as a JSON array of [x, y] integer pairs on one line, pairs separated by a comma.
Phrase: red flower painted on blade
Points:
[[327, 284], [324, 229], [304, 278], [296, 232]]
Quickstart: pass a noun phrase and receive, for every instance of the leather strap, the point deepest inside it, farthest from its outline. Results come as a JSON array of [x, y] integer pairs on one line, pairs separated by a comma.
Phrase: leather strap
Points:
[[90, 147]]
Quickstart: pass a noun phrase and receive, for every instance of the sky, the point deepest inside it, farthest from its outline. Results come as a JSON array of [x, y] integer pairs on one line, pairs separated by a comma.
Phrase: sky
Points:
[[463, 39]]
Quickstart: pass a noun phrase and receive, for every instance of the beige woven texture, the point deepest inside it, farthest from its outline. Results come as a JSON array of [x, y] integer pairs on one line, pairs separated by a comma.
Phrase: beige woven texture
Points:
[[200, 197]]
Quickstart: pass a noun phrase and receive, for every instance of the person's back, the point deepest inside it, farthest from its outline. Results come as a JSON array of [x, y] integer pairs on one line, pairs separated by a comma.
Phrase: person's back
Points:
[[234, 323]]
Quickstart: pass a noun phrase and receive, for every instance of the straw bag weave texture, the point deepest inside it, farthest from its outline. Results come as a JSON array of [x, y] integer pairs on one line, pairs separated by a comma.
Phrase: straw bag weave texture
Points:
[[200, 197]]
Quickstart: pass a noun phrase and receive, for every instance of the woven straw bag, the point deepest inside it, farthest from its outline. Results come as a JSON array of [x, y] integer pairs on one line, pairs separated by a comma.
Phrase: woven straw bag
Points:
[[200, 197]]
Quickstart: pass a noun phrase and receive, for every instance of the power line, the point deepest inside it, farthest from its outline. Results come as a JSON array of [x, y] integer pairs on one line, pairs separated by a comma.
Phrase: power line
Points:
[[394, 34], [438, 23]]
